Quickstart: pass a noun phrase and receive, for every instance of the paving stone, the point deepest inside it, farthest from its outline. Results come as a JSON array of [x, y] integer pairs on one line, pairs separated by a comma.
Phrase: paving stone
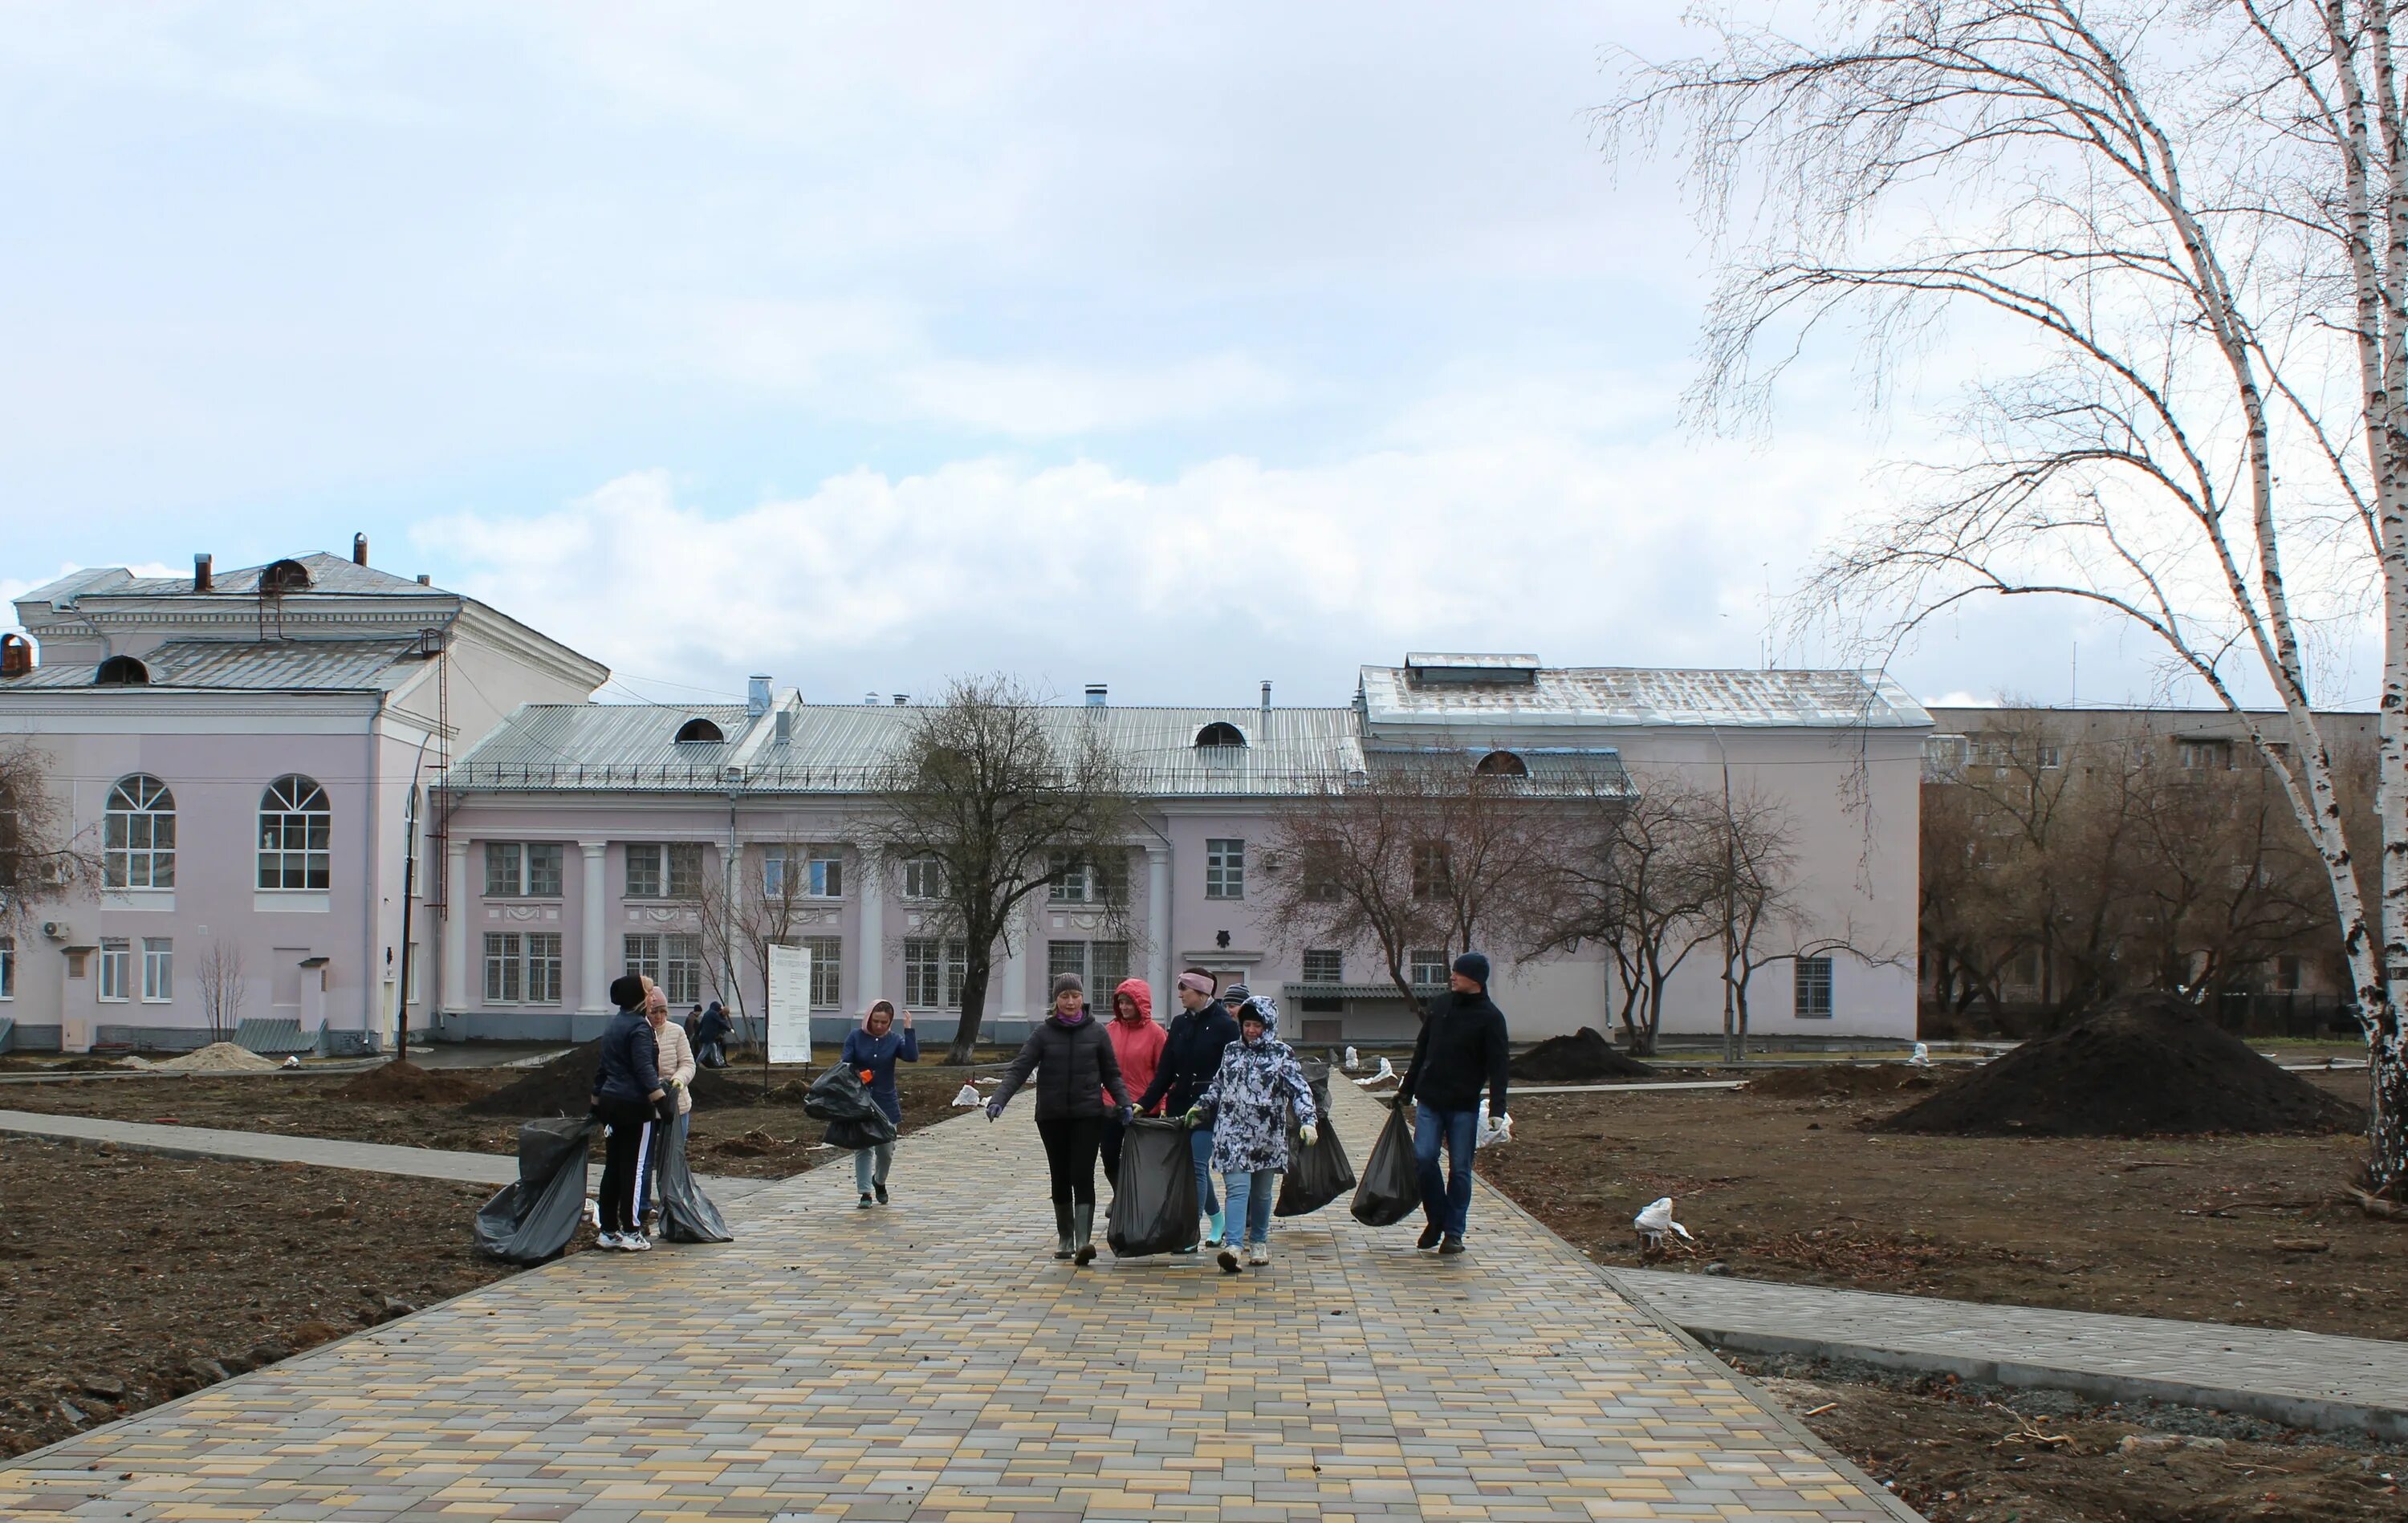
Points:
[[931, 1361]]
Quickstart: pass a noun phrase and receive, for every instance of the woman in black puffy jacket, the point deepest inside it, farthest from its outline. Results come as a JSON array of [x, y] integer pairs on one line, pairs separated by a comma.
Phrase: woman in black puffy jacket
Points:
[[1075, 1066]]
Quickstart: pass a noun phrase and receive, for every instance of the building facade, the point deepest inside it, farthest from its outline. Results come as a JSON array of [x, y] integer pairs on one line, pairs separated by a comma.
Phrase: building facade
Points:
[[238, 751]]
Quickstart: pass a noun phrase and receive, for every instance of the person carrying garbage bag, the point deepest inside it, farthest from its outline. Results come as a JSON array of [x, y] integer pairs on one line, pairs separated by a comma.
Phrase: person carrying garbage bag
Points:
[[1247, 1103], [1077, 1074], [1191, 1056], [1462, 1047], [873, 1050]]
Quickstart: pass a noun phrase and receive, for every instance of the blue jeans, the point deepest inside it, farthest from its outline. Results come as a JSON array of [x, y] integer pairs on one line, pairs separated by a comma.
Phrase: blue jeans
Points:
[[1251, 1196], [869, 1165], [1200, 1151], [1447, 1202]]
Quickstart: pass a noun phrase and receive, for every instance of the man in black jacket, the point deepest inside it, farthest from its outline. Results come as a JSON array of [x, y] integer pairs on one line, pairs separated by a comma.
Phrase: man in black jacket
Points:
[[1461, 1048], [1191, 1055], [626, 1088]]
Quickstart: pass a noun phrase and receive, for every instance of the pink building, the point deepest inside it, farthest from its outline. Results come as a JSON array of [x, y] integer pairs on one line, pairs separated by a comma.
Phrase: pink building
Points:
[[238, 748]]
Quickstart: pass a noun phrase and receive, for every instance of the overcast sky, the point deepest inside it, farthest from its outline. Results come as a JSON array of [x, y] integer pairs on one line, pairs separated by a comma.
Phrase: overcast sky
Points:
[[1172, 346]]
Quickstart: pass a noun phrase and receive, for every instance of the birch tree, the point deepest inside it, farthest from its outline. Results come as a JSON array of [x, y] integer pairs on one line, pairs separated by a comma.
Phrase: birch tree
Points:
[[2179, 234]]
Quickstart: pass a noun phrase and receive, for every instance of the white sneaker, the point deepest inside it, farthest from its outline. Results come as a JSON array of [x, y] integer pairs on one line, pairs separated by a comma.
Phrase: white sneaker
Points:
[[608, 1240], [1260, 1255], [637, 1242]]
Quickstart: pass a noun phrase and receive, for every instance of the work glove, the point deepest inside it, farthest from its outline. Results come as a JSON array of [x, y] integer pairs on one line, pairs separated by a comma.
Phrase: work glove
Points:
[[994, 1110], [1192, 1119], [1128, 1114], [1310, 1134]]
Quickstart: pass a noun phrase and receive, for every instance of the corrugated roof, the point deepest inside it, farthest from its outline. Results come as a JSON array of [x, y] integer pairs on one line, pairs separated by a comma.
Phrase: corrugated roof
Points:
[[254, 666], [1609, 697], [336, 574]]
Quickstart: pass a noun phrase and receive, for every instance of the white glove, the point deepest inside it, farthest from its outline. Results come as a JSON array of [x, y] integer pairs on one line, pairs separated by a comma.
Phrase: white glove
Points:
[[1310, 1134]]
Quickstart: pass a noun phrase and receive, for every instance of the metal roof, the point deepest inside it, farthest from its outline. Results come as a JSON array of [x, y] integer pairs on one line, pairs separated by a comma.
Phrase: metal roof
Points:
[[252, 666], [335, 574], [1611, 697]]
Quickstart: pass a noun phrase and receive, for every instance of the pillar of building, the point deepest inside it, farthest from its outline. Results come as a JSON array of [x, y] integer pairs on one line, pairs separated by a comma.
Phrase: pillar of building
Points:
[[868, 980], [593, 960], [456, 931], [1011, 1000], [1158, 923]]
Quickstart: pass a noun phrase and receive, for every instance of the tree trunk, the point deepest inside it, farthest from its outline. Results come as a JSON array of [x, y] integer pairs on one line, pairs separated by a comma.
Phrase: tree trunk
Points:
[[974, 981], [2386, 1125]]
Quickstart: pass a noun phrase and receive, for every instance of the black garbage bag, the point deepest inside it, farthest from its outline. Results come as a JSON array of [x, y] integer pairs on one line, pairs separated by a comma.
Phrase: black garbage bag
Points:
[[687, 1215], [532, 1219], [1318, 1174], [857, 1135], [1154, 1201], [838, 1095], [1390, 1190]]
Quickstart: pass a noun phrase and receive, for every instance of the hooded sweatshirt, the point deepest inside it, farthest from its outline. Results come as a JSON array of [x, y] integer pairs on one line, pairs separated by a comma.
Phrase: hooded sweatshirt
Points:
[[1075, 1068], [1249, 1100], [1137, 1041]]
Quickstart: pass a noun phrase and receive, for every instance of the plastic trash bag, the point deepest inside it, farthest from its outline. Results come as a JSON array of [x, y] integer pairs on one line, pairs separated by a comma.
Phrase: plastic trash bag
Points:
[[856, 1135], [687, 1215], [1391, 1187], [1154, 1198], [1353, 1061], [967, 1095], [1318, 1174], [532, 1221], [1489, 1132], [839, 1098], [1655, 1220], [1386, 1073], [1922, 1058]]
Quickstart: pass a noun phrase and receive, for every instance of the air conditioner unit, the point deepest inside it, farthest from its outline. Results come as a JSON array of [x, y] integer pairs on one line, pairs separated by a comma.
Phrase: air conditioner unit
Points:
[[56, 930]]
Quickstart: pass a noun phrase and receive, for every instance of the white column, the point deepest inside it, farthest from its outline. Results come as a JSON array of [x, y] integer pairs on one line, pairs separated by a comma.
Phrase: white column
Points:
[[456, 931], [1012, 1000], [1158, 923], [593, 963], [868, 980]]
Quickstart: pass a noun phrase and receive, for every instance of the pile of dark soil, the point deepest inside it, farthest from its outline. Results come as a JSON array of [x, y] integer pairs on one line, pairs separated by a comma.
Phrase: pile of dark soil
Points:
[[1582, 1058], [2151, 1065], [731, 1086], [1813, 1080], [563, 1086], [402, 1082]]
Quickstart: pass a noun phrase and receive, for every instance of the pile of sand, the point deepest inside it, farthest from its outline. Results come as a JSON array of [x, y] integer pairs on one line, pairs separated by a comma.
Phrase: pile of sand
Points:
[[402, 1082], [1813, 1080], [2153, 1063], [1583, 1058], [219, 1057]]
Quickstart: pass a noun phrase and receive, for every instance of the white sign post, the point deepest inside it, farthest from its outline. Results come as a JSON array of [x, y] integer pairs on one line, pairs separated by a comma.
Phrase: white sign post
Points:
[[790, 1005]]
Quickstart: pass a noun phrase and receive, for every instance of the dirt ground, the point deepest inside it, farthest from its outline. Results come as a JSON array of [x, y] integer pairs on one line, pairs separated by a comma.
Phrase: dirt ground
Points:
[[1789, 1186], [750, 1141], [130, 1279], [1959, 1453]]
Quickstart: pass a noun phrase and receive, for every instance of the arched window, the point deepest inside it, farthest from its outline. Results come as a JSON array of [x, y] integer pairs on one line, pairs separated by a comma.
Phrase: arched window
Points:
[[122, 672], [1220, 732], [138, 834], [1502, 764], [699, 731], [284, 577], [296, 829]]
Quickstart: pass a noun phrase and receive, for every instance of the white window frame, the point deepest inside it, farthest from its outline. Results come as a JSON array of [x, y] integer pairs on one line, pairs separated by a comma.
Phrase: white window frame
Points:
[[934, 968], [827, 970], [1423, 959], [1225, 867], [924, 878], [297, 830], [1813, 982], [543, 967], [505, 869], [1433, 870], [1325, 965], [1101, 965], [680, 976], [1075, 883], [158, 970], [139, 805], [116, 970], [652, 857], [8, 967], [504, 968], [640, 951]]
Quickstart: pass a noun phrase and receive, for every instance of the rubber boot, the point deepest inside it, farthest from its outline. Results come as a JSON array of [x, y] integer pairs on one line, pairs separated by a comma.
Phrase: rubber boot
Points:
[[1062, 1229], [1084, 1218], [1220, 1228]]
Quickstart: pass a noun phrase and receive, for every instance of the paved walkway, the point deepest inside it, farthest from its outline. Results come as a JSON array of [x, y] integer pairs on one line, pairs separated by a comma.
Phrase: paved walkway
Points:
[[932, 1360], [2308, 1379], [322, 1152]]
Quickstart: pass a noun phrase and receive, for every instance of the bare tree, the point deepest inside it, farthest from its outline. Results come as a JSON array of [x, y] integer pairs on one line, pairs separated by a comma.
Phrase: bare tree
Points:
[[754, 902], [2191, 225], [221, 980], [1416, 851], [41, 857], [1008, 796]]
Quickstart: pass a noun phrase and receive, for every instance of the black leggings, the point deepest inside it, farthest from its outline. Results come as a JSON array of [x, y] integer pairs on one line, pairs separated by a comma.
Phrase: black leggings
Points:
[[1070, 1144]]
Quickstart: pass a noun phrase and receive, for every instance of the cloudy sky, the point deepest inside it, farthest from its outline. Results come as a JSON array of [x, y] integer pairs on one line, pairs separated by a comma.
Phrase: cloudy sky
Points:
[[1173, 346]]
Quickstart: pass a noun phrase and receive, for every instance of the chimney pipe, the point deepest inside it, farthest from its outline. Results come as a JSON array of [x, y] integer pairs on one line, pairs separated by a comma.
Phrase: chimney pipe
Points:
[[1096, 694], [426, 580], [1267, 696], [869, 698], [757, 695], [359, 549], [785, 725], [901, 698], [202, 577]]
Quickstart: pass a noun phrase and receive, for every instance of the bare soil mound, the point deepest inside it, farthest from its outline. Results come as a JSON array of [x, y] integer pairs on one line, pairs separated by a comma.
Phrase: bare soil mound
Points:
[[220, 1058], [563, 1086], [1849, 1080], [1583, 1058], [732, 1085], [2151, 1065], [402, 1082]]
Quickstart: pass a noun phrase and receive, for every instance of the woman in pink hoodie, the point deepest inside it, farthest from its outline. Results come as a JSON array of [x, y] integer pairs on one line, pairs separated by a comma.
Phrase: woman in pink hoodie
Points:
[[1137, 1042]]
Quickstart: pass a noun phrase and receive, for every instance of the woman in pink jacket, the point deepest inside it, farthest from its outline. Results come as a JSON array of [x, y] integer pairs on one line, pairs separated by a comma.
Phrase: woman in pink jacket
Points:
[[1137, 1042]]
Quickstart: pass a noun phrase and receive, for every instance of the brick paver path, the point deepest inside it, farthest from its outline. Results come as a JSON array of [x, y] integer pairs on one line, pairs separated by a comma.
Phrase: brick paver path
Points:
[[932, 1360], [2312, 1378]]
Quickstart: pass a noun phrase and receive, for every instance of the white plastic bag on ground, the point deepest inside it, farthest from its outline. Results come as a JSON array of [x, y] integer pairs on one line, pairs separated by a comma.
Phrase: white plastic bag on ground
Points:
[[1655, 1221], [1491, 1132], [967, 1095], [1922, 1058], [1352, 1060], [1385, 1074]]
